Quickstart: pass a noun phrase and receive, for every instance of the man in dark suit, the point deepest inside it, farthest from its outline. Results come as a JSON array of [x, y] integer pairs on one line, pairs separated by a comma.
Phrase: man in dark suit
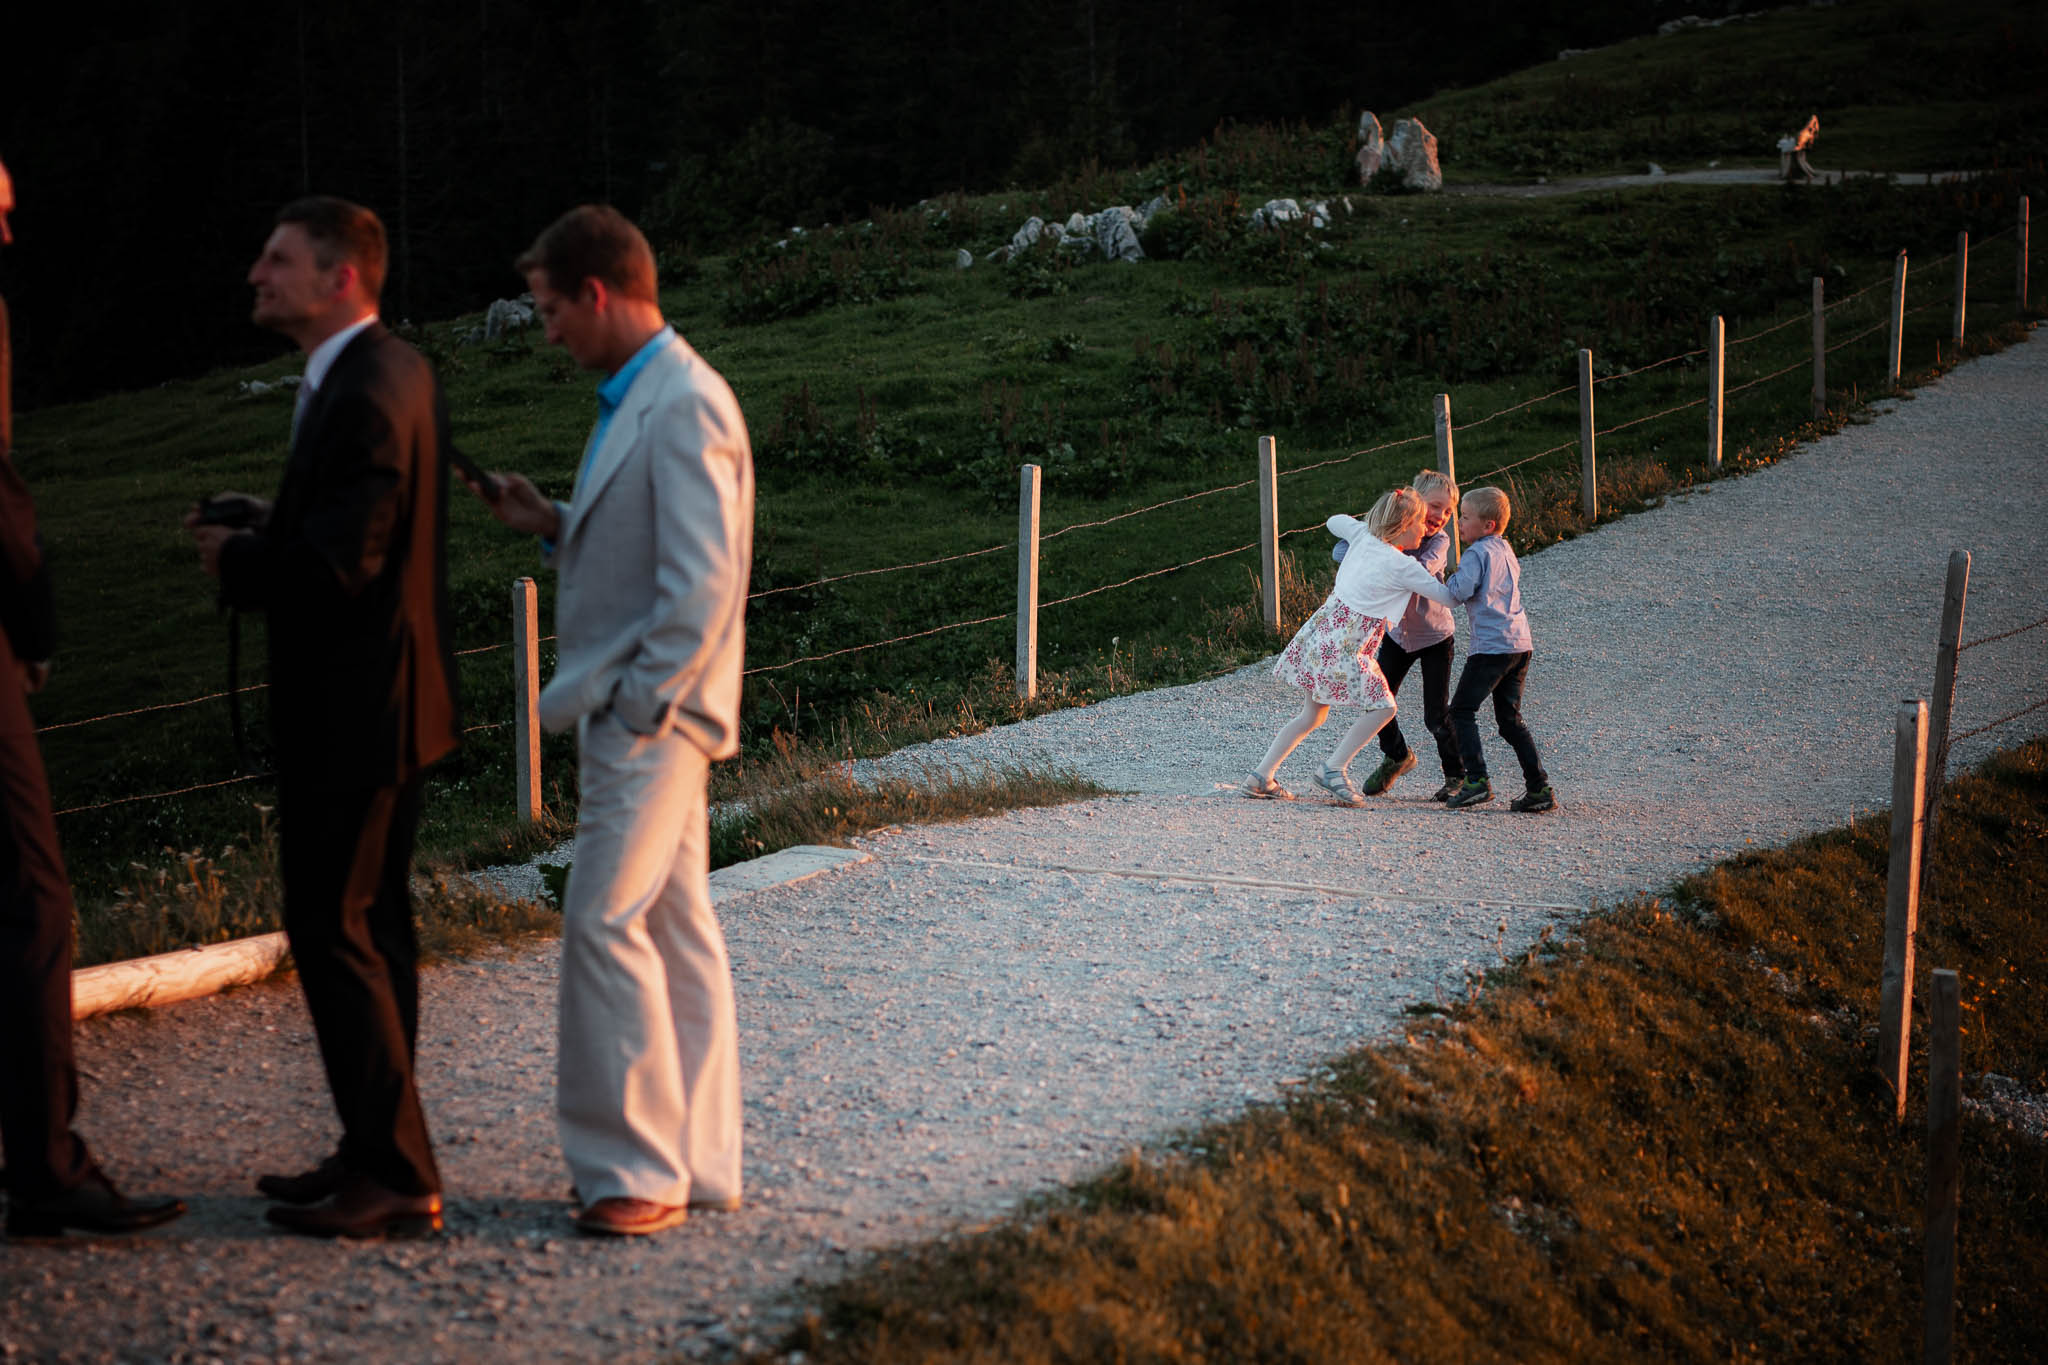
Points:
[[52, 1182], [349, 565]]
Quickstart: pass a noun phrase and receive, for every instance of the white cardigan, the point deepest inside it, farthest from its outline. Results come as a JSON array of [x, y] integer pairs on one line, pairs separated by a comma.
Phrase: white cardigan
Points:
[[1377, 579]]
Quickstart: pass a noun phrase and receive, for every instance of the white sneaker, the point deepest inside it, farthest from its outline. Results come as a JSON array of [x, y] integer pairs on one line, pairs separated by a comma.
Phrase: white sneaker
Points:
[[1338, 785]]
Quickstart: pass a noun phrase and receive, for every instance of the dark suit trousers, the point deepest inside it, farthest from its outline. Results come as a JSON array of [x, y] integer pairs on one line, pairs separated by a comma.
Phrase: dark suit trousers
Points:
[[38, 1076], [347, 862], [1436, 701]]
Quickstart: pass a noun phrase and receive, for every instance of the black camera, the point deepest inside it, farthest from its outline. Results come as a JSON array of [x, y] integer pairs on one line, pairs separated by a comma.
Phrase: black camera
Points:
[[235, 512]]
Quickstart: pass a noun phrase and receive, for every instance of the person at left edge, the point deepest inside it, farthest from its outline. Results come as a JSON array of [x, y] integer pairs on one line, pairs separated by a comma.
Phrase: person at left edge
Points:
[[349, 564], [53, 1183]]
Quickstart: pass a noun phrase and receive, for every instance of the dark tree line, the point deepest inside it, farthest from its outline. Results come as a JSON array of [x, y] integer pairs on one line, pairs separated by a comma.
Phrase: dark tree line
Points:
[[150, 147]]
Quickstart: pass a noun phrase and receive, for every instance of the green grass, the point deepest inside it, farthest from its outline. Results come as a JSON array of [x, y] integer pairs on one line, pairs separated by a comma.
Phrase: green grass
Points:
[[890, 431], [1660, 1138]]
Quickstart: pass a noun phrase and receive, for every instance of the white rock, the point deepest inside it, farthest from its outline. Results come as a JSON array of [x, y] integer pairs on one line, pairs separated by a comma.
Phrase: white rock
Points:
[[963, 259], [1372, 147], [1158, 204], [1025, 237], [1411, 150], [253, 388], [1116, 234], [1655, 169], [506, 315], [1077, 222], [1319, 214], [1276, 211]]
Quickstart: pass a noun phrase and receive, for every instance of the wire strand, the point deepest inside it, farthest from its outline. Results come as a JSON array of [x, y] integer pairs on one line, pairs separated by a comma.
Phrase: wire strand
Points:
[[1638, 421], [856, 649], [1654, 365], [1992, 725], [1346, 459], [1765, 379], [1526, 402], [1519, 463], [1172, 568], [864, 573], [159, 796], [2004, 634], [1796, 317], [1140, 511]]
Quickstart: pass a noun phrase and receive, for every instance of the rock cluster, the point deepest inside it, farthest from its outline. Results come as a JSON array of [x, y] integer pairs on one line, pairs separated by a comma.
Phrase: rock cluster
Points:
[[1408, 153], [1111, 232]]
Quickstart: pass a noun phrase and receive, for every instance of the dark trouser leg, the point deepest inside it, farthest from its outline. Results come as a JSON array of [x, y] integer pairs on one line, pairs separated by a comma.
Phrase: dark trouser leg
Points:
[[1394, 663], [38, 1076], [1436, 705], [1507, 711], [1482, 674], [347, 857]]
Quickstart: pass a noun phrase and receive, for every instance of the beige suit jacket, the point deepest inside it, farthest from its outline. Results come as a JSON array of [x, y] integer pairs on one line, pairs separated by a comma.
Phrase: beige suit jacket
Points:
[[654, 556]]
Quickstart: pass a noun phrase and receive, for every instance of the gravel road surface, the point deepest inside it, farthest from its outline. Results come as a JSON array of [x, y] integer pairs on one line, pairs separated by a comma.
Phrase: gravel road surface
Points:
[[990, 1008]]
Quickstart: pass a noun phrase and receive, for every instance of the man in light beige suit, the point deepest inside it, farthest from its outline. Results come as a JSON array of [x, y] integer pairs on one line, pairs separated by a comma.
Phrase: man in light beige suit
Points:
[[653, 549]]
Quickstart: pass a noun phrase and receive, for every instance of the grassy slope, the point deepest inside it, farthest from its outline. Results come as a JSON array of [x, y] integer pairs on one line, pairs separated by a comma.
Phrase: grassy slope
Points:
[[1660, 1140], [1902, 87], [961, 379]]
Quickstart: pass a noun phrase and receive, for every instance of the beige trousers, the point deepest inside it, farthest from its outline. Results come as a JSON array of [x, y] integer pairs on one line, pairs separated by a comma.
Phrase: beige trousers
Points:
[[648, 1077]]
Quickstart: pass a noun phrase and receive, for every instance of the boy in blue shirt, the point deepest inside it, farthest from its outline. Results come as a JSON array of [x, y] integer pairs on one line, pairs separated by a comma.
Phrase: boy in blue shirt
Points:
[[1489, 583]]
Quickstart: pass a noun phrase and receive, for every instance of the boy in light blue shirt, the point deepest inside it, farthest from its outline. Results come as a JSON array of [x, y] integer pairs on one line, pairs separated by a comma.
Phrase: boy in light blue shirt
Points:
[[1489, 583]]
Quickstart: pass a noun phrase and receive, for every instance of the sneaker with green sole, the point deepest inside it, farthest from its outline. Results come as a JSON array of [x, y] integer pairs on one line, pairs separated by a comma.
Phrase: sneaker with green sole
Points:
[[1382, 777], [1539, 800], [1470, 793]]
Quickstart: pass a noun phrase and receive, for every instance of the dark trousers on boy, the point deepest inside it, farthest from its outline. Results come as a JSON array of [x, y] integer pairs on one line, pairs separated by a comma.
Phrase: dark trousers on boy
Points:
[[1500, 676], [1435, 663]]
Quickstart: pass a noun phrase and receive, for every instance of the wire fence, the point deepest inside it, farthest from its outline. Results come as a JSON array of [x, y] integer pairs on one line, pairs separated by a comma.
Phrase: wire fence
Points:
[[1893, 319]]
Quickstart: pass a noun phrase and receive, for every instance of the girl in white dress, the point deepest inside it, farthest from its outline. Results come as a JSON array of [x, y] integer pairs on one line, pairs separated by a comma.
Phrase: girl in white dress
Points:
[[1333, 657]]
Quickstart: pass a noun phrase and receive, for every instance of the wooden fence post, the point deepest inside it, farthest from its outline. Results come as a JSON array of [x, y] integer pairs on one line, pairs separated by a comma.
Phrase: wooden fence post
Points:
[[1944, 1164], [1589, 492], [526, 696], [1269, 533], [1717, 387], [1027, 582], [2022, 251], [1902, 902], [1896, 353], [1820, 348], [1962, 283], [1947, 649], [1447, 463]]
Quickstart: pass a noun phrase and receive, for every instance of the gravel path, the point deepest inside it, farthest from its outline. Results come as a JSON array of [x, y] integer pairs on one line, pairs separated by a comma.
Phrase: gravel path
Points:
[[990, 1008]]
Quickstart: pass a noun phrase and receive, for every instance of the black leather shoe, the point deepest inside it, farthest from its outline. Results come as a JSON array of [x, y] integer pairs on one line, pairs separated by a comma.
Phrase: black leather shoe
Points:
[[94, 1206], [308, 1187], [362, 1208]]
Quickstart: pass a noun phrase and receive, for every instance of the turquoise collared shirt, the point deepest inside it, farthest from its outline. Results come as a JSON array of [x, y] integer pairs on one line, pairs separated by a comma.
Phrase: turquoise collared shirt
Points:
[[611, 395]]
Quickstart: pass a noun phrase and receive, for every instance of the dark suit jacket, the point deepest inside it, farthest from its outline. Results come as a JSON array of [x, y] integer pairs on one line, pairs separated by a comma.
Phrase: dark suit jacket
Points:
[[352, 572]]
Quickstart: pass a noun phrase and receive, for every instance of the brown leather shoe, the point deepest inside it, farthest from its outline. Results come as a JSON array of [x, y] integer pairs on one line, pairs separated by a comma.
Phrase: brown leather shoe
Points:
[[362, 1208], [93, 1206], [307, 1187], [619, 1216]]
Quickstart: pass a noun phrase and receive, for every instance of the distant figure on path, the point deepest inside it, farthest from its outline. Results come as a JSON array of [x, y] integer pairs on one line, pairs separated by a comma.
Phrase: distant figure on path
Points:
[[654, 549], [350, 566], [52, 1181], [1332, 657]]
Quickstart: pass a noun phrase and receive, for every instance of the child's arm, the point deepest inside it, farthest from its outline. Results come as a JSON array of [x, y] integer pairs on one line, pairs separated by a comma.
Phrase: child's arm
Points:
[[1420, 581], [1465, 584], [1433, 554], [1345, 528]]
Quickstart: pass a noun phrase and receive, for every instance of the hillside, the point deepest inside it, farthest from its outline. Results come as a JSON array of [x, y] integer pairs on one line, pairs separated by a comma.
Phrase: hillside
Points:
[[892, 397]]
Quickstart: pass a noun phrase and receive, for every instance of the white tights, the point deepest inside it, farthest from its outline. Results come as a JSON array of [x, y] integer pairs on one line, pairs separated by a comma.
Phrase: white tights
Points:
[[1312, 715]]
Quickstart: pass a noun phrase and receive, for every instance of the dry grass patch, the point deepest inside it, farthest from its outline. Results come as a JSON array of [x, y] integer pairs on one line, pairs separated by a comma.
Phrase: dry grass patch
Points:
[[1662, 1139]]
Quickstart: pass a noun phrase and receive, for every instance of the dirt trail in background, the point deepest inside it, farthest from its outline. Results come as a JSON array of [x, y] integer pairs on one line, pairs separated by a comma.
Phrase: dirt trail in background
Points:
[[988, 1009]]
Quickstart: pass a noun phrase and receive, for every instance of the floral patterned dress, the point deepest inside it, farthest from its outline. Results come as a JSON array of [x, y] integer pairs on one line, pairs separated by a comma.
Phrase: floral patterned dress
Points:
[[1334, 658]]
